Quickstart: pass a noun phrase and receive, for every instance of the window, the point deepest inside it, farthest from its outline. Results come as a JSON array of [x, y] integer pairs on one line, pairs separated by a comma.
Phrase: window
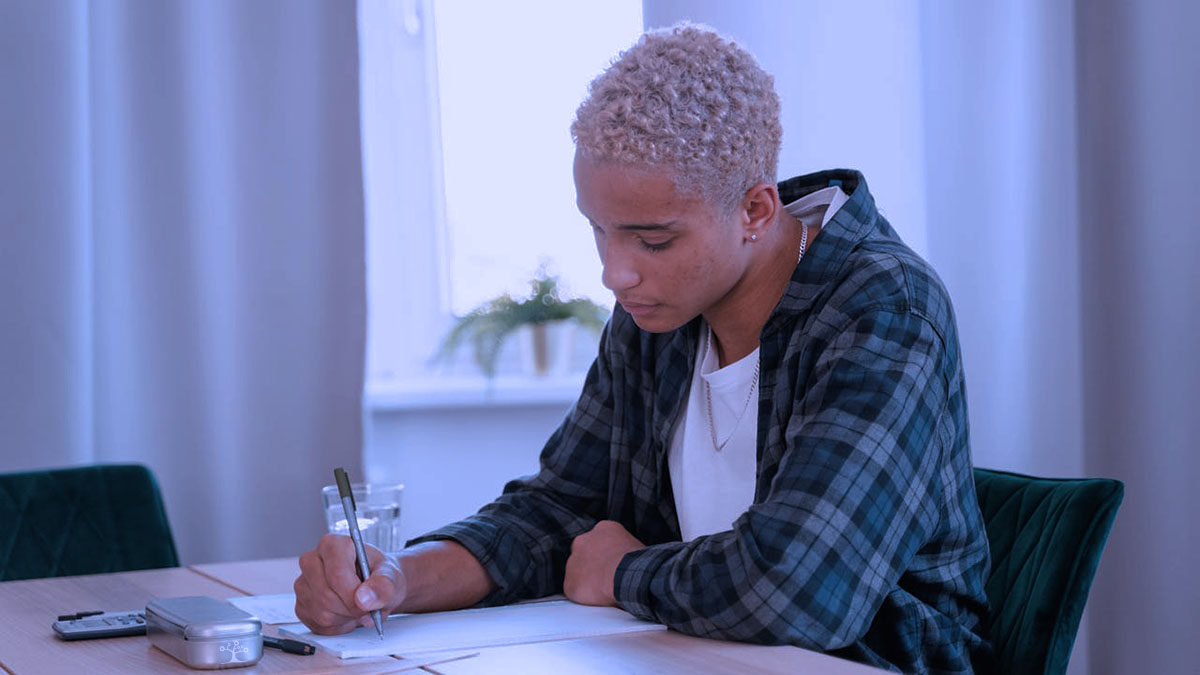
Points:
[[510, 75], [466, 109]]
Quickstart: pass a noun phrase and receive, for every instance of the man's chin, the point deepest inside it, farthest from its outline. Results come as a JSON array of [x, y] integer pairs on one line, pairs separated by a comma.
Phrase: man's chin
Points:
[[658, 323]]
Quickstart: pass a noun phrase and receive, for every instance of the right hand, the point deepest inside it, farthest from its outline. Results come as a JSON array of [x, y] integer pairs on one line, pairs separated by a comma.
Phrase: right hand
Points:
[[330, 599]]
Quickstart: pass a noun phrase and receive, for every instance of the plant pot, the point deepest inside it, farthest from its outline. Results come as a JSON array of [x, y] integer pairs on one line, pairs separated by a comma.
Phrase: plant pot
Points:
[[546, 348]]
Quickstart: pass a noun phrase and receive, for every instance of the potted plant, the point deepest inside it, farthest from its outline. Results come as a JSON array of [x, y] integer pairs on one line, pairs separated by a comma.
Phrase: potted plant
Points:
[[486, 327]]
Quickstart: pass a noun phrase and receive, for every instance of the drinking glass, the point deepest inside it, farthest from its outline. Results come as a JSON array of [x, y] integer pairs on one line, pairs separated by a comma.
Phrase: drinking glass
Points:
[[377, 508]]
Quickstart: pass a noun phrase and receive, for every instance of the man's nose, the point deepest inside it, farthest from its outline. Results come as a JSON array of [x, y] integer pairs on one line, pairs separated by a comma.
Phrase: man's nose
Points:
[[619, 273]]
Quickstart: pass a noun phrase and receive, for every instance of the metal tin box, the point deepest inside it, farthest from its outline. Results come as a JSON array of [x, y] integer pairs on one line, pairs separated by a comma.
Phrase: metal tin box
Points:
[[204, 632]]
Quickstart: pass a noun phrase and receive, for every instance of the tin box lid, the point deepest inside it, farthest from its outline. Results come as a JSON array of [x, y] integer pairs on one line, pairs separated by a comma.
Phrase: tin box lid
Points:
[[201, 617]]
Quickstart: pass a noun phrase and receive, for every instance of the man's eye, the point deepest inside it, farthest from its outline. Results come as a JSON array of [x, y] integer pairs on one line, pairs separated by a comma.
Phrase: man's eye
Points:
[[655, 247]]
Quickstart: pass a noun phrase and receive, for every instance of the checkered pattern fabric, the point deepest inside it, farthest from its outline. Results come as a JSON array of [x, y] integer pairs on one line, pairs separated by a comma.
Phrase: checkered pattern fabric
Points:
[[865, 537]]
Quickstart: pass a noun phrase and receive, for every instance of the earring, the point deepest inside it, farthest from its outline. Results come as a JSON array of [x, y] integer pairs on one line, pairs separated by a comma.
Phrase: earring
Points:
[[754, 237]]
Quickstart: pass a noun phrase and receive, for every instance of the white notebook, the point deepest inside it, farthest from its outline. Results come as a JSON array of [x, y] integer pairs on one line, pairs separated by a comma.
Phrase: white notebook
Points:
[[409, 634], [280, 608]]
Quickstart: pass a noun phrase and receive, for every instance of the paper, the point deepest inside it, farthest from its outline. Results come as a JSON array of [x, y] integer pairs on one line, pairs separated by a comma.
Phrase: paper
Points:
[[409, 634], [279, 608]]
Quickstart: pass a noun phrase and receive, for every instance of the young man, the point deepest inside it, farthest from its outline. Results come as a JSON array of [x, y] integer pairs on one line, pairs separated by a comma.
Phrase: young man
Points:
[[771, 445]]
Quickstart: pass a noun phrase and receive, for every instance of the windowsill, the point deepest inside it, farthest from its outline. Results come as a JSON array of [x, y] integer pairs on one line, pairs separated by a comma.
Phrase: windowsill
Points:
[[471, 392]]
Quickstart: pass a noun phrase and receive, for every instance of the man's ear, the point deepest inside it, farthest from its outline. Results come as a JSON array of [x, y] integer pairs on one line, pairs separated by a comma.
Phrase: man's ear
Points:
[[759, 208]]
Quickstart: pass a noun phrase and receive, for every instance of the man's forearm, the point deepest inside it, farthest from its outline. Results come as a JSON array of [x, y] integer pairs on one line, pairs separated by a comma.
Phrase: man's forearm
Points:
[[441, 575]]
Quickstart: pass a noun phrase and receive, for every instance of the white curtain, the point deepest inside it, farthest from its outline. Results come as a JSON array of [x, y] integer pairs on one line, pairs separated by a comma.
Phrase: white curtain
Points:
[[1055, 151], [181, 263]]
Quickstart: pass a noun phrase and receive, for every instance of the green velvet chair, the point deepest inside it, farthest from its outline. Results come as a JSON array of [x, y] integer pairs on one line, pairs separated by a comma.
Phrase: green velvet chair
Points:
[[83, 520], [1046, 537]]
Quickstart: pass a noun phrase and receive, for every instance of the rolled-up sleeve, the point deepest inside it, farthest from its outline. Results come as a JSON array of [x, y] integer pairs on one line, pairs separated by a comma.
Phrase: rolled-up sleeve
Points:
[[523, 538]]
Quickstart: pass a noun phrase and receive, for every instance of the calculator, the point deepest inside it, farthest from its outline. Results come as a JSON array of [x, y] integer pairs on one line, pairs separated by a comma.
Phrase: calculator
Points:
[[103, 625]]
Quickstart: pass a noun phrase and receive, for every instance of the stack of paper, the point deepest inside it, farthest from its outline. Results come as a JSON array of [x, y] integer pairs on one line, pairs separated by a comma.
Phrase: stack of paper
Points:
[[268, 608], [408, 634]]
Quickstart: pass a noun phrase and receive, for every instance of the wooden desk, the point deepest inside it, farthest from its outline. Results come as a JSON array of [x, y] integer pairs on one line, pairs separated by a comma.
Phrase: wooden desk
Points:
[[659, 651], [254, 577], [28, 644]]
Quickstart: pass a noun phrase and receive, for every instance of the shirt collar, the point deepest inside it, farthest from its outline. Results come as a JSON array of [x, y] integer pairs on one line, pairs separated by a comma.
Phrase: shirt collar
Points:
[[840, 234], [805, 209]]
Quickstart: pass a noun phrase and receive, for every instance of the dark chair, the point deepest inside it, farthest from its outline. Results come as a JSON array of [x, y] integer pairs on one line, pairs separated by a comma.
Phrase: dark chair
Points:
[[84, 520], [1046, 538]]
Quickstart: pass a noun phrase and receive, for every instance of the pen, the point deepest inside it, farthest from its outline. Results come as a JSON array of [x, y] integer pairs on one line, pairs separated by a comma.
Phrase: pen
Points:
[[289, 646], [360, 551], [79, 615]]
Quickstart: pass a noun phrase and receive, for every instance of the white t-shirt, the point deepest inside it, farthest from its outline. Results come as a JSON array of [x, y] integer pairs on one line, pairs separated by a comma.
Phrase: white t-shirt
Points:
[[714, 483]]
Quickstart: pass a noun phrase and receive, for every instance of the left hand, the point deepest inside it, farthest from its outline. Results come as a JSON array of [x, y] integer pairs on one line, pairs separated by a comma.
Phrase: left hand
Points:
[[592, 565]]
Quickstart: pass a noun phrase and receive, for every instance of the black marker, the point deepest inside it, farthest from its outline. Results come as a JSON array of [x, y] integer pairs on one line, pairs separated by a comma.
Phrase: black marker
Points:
[[289, 646], [79, 615]]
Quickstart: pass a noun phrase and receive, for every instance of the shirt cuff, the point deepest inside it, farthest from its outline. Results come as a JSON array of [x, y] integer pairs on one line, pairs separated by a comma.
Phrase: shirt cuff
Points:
[[633, 585]]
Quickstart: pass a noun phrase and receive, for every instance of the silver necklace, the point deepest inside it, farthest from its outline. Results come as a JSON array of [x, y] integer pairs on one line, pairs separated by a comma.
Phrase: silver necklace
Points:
[[803, 240], [712, 429]]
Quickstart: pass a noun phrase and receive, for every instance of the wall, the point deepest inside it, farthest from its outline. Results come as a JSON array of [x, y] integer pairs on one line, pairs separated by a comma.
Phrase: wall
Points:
[[1139, 92], [181, 255], [455, 459]]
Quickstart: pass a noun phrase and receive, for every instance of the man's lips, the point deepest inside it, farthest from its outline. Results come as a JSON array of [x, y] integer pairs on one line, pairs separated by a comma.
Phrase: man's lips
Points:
[[636, 308]]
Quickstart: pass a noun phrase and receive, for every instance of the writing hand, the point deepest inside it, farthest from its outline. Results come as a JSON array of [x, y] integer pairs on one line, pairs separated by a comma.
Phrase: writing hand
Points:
[[331, 600]]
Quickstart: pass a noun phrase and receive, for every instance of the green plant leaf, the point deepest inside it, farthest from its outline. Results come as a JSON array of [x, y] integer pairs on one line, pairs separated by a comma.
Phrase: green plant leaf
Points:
[[488, 325]]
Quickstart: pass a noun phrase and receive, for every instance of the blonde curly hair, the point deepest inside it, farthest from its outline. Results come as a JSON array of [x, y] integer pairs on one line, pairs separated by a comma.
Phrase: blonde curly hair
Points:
[[688, 99]]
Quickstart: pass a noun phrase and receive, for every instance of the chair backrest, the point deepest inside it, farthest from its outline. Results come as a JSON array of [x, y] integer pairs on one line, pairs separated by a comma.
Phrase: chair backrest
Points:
[[1046, 537], [84, 520]]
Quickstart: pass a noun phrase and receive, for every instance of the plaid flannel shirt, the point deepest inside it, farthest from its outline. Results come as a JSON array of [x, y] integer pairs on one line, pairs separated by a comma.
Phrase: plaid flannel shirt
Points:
[[864, 539]]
